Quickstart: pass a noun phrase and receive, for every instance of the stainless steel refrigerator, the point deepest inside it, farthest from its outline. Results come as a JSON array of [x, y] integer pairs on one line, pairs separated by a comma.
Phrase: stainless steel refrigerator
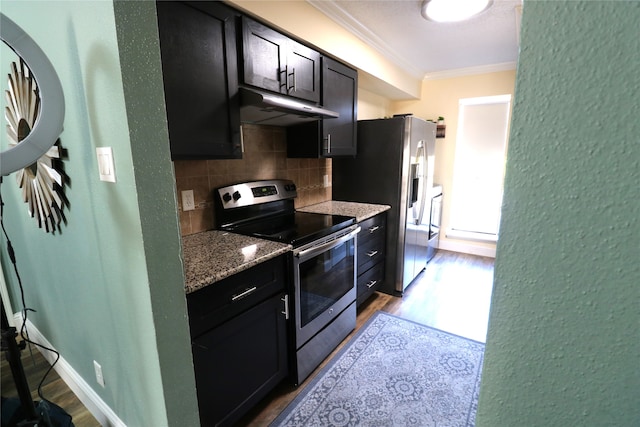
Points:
[[394, 166]]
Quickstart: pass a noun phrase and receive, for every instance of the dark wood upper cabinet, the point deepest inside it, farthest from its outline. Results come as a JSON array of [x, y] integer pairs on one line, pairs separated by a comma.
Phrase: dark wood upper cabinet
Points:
[[277, 63], [200, 72], [330, 137], [303, 72], [209, 49]]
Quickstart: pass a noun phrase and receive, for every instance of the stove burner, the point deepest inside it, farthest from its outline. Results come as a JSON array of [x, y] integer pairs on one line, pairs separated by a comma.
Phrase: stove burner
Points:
[[296, 228], [265, 210]]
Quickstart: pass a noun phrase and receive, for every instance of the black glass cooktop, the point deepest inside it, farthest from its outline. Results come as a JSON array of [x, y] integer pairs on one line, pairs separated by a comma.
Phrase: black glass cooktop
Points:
[[297, 229]]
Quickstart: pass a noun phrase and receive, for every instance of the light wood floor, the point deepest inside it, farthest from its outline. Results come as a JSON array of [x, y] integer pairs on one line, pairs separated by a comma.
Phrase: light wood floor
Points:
[[453, 294]]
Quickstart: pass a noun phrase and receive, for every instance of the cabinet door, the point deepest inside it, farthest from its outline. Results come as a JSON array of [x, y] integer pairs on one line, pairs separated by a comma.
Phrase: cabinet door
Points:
[[277, 63], [339, 93], [330, 137], [264, 56], [239, 362], [199, 67], [303, 72]]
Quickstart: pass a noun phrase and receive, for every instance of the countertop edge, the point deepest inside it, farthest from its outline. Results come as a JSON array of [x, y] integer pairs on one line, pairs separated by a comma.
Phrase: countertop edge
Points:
[[233, 270], [361, 211], [212, 256]]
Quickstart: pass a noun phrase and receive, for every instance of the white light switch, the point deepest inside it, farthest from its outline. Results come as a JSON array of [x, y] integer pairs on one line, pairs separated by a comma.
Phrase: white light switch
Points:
[[105, 164]]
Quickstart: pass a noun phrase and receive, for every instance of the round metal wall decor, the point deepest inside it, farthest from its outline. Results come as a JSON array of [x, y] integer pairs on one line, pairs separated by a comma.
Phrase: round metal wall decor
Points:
[[40, 182], [34, 113]]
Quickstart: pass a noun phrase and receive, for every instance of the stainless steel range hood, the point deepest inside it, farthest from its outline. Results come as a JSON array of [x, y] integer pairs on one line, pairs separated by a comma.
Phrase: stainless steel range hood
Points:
[[259, 107]]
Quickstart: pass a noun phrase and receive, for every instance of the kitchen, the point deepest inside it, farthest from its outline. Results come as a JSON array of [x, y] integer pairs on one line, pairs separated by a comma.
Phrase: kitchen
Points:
[[267, 142], [272, 153], [128, 308]]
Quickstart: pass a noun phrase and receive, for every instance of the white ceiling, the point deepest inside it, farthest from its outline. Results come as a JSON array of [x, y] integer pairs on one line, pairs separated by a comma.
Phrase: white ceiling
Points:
[[428, 49]]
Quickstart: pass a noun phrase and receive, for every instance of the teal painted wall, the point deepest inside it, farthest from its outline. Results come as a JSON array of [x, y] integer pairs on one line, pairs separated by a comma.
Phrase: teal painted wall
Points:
[[564, 334], [108, 287]]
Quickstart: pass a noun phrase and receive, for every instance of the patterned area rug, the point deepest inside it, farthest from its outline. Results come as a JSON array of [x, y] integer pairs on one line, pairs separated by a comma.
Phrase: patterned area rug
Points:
[[393, 372]]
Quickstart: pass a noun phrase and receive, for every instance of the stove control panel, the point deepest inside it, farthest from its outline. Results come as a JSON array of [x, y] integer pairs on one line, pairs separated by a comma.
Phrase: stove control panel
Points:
[[255, 192], [267, 190]]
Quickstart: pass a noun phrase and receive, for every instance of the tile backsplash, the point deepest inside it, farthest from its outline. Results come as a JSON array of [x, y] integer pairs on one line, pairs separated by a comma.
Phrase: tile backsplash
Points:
[[265, 157]]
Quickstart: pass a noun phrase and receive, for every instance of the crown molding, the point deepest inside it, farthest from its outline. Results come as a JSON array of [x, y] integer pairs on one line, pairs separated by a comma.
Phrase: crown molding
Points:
[[461, 72], [331, 9], [351, 24]]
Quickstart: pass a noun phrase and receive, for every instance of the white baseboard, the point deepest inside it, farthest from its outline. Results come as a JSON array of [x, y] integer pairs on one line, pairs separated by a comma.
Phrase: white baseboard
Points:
[[89, 398], [466, 248]]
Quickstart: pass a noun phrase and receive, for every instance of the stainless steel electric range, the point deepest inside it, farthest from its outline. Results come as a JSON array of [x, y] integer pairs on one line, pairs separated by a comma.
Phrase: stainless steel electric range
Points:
[[323, 262]]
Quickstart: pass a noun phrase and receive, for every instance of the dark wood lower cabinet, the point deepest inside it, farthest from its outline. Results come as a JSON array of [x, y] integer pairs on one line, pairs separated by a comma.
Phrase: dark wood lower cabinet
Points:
[[371, 255], [238, 358], [238, 363]]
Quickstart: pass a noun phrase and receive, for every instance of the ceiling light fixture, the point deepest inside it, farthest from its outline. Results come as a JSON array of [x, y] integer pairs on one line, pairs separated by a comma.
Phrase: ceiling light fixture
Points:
[[453, 10]]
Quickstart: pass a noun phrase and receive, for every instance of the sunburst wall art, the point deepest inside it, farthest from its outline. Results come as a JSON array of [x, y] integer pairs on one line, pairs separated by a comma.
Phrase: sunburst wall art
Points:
[[40, 182]]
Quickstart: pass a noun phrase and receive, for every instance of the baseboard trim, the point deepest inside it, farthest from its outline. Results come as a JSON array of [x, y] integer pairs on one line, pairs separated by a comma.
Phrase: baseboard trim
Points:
[[89, 398], [453, 246]]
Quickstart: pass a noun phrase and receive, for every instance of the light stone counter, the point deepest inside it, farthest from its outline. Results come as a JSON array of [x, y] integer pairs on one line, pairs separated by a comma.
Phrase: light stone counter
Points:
[[360, 211], [211, 256]]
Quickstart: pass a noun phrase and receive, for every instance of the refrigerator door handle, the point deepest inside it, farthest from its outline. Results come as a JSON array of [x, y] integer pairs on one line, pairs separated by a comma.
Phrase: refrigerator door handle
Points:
[[414, 185], [419, 187]]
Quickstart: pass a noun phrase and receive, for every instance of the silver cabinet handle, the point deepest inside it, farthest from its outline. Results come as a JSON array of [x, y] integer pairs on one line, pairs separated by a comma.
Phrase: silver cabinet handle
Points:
[[247, 292], [285, 300], [288, 74], [371, 254], [373, 229], [293, 74], [286, 78], [328, 140], [371, 283]]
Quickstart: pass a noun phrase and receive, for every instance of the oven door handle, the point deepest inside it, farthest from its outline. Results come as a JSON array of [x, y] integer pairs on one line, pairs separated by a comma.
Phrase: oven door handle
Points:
[[315, 250]]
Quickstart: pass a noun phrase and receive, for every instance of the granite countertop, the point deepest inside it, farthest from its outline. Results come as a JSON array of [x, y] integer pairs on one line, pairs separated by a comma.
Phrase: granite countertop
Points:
[[211, 256], [360, 211]]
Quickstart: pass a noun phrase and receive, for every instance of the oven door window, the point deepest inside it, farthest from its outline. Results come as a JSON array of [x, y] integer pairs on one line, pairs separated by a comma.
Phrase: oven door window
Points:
[[324, 279]]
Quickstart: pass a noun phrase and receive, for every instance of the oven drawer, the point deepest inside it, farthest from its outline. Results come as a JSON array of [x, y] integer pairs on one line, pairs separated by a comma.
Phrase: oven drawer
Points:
[[218, 302], [372, 228], [369, 281]]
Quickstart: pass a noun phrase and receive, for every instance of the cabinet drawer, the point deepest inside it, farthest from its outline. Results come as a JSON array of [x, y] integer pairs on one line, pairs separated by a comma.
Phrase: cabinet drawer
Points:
[[369, 253], [372, 228], [222, 300], [369, 281]]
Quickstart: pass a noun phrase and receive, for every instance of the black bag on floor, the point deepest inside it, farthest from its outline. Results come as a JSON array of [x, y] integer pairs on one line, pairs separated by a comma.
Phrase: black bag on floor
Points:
[[50, 414]]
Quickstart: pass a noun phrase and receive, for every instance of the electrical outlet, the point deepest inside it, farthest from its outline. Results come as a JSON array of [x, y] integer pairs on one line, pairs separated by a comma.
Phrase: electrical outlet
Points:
[[98, 369], [188, 203]]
